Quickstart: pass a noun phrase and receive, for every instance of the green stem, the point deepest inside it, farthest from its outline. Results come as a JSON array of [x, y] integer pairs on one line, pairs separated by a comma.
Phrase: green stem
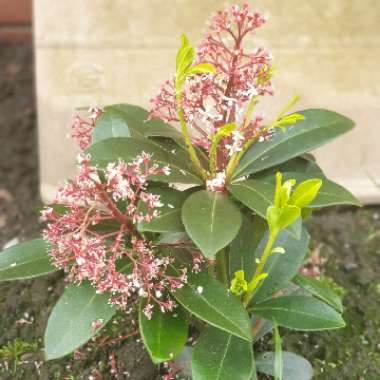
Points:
[[292, 102], [235, 159], [213, 154], [192, 153], [255, 281], [237, 156]]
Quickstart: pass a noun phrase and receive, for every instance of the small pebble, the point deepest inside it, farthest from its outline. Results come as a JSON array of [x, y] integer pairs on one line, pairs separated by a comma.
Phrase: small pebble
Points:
[[350, 266]]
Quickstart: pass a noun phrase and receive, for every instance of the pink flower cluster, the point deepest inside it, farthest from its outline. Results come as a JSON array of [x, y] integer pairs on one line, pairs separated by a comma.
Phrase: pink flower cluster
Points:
[[82, 129], [211, 101], [95, 237]]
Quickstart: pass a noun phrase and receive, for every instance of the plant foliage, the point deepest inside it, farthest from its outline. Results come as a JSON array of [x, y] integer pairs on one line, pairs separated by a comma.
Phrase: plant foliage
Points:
[[191, 216]]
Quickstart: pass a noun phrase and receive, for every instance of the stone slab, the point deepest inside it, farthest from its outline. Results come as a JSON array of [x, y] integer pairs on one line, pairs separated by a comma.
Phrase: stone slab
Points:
[[102, 52]]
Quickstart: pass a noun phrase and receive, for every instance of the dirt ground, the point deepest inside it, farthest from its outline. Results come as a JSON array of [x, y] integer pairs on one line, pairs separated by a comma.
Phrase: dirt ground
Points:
[[349, 239]]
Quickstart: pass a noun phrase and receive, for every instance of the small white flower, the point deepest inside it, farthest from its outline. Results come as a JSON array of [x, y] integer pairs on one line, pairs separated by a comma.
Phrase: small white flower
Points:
[[80, 260], [158, 294]]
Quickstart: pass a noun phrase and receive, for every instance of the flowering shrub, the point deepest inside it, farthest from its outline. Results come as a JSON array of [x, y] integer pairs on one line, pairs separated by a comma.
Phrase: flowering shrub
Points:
[[221, 254]]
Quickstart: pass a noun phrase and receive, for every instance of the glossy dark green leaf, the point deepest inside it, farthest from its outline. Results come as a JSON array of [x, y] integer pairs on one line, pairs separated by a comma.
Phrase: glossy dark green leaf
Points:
[[169, 219], [165, 334], [25, 260], [295, 367], [71, 321], [302, 164], [211, 220], [218, 355], [257, 195], [110, 124], [111, 150], [299, 313], [243, 247], [138, 122], [209, 300], [133, 116], [281, 268], [318, 127], [319, 290]]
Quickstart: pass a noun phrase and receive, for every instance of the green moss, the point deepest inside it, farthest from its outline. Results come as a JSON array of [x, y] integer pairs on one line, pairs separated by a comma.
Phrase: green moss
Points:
[[14, 350]]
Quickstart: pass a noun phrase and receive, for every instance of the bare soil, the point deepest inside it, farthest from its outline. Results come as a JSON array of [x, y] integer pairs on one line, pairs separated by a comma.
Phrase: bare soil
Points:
[[349, 239]]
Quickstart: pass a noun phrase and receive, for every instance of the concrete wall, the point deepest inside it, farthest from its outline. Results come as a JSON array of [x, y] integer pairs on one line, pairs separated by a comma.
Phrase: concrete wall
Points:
[[96, 52]]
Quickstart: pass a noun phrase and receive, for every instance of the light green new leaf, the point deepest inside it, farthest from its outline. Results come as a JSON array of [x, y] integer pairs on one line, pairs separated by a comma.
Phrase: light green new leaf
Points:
[[299, 313], [70, 324], [211, 220], [218, 355], [209, 300], [305, 192], [25, 260], [165, 334], [295, 367], [319, 127], [330, 193], [169, 219], [319, 290], [202, 68], [289, 214], [111, 150], [258, 194]]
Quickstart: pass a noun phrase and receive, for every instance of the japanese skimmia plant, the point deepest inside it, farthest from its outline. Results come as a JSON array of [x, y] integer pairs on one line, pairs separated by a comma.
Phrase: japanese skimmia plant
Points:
[[190, 217]]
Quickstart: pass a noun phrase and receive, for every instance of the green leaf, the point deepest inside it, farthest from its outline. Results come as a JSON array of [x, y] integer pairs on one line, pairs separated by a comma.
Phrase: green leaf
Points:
[[185, 55], [221, 356], [303, 165], [330, 193], [258, 194], [209, 300], [25, 260], [111, 150], [242, 248], [318, 127], [305, 192], [255, 194], [133, 116], [299, 313], [211, 220], [110, 124], [289, 214], [319, 290], [136, 119], [165, 334], [295, 367], [169, 219], [281, 268], [70, 322], [202, 68]]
